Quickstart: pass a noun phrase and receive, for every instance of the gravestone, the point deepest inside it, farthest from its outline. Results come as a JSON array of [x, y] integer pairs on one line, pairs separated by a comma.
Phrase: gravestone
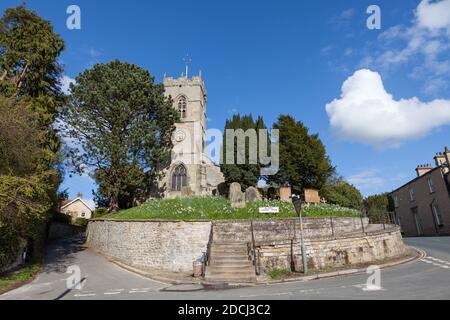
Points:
[[237, 197], [186, 192], [312, 196], [252, 194], [285, 194]]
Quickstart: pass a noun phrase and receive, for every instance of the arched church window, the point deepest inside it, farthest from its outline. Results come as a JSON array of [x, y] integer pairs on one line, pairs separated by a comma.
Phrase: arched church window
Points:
[[182, 107], [179, 178]]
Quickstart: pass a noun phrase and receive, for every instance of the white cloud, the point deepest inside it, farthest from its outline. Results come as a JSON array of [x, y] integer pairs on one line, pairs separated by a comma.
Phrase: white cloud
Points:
[[372, 181], [342, 20], [434, 15], [426, 43], [366, 113], [367, 181], [65, 84]]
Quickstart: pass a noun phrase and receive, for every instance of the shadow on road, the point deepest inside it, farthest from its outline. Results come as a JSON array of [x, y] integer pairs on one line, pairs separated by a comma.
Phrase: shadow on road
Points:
[[60, 254]]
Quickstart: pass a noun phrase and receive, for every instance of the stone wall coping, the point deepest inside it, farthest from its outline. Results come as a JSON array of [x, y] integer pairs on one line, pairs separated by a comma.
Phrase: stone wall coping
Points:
[[225, 221], [145, 220]]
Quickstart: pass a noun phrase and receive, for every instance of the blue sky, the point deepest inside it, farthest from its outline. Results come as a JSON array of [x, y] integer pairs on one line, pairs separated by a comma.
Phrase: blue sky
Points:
[[272, 57]]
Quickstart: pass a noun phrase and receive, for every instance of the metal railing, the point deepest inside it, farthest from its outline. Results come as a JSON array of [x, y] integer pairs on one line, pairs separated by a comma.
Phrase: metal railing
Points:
[[255, 256]]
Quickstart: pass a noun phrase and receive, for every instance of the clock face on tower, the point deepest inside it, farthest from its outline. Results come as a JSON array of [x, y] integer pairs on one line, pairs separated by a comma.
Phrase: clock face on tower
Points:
[[179, 136]]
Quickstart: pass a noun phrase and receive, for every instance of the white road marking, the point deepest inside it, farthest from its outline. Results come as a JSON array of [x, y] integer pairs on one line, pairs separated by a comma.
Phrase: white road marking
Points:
[[138, 291], [84, 295], [437, 262], [111, 293]]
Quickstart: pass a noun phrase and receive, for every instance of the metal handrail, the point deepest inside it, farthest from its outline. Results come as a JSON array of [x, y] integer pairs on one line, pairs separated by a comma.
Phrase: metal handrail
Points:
[[255, 257], [208, 249]]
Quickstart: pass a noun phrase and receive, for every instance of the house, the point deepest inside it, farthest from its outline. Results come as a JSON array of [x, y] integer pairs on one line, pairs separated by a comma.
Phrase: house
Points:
[[76, 209], [422, 206]]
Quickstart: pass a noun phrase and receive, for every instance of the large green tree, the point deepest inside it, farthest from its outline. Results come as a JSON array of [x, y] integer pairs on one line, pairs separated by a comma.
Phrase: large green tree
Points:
[[246, 174], [342, 193], [30, 97], [124, 125], [303, 159]]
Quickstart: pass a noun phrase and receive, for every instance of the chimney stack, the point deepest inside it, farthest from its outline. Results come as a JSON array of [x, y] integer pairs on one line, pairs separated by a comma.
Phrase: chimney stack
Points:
[[440, 159], [423, 169]]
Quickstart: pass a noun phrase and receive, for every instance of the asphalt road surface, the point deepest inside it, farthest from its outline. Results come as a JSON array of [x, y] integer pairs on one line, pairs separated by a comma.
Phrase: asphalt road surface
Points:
[[428, 278]]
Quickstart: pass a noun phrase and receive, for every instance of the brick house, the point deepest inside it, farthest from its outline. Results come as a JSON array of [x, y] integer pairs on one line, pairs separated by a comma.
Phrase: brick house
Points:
[[422, 206]]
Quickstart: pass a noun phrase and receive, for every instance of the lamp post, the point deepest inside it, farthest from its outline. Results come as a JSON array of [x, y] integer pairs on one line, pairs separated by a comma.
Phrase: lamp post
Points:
[[297, 201]]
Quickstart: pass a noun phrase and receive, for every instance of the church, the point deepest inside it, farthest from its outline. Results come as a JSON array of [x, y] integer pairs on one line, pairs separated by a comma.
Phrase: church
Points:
[[191, 171]]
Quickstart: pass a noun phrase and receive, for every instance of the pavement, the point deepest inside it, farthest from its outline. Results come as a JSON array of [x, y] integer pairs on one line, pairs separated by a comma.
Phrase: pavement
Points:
[[427, 278]]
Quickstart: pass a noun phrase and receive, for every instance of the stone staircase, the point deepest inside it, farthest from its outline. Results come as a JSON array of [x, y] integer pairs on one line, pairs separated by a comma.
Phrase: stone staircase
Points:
[[229, 260]]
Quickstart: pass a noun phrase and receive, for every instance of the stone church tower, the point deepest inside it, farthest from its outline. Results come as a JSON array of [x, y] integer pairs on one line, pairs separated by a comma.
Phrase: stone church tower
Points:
[[191, 172]]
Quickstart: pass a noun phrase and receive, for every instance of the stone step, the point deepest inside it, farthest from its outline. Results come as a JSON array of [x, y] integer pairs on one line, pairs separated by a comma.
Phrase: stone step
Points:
[[223, 251], [230, 277], [231, 269], [230, 260], [230, 243], [227, 257]]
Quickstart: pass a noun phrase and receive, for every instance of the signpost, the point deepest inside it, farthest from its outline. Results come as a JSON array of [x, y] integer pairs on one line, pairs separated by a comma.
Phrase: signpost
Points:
[[269, 210], [297, 201]]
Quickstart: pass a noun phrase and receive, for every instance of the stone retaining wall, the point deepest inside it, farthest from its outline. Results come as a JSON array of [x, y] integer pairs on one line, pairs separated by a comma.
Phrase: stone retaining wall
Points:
[[168, 245], [63, 230], [175, 245], [333, 252], [288, 229]]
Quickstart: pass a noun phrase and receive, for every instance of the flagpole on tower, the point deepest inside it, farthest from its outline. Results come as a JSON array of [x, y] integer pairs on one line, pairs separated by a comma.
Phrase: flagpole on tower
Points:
[[187, 60]]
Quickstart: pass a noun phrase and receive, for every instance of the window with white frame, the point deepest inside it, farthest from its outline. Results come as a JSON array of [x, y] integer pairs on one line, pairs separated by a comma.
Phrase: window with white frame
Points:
[[431, 185], [411, 194], [83, 214], [438, 216]]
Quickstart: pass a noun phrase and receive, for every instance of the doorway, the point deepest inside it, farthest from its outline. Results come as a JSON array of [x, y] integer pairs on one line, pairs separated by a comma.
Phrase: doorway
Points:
[[417, 220]]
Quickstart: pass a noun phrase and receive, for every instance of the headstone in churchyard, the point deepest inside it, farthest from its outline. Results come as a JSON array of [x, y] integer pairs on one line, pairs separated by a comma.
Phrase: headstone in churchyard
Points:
[[312, 196], [186, 191], [285, 193], [237, 197], [252, 194]]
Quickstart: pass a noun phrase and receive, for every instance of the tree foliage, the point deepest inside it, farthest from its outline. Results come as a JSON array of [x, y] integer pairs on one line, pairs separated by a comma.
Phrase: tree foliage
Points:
[[377, 207], [246, 174], [303, 159], [343, 194], [30, 97], [124, 126]]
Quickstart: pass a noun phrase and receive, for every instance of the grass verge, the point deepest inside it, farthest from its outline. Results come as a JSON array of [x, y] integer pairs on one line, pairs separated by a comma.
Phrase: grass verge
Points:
[[18, 278], [219, 208]]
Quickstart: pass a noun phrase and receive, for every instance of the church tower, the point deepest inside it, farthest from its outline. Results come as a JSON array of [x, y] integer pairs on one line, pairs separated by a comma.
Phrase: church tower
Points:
[[191, 172]]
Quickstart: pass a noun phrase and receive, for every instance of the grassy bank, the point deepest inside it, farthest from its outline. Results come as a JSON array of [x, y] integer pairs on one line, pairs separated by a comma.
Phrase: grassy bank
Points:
[[218, 208], [18, 278]]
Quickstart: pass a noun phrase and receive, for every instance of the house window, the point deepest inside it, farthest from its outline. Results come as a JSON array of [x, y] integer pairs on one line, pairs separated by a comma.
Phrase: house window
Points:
[[396, 202], [83, 214], [431, 185], [438, 216], [182, 107], [179, 178], [411, 194]]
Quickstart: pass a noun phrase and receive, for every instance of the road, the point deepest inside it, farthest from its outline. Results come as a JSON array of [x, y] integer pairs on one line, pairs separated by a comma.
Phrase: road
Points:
[[428, 278]]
